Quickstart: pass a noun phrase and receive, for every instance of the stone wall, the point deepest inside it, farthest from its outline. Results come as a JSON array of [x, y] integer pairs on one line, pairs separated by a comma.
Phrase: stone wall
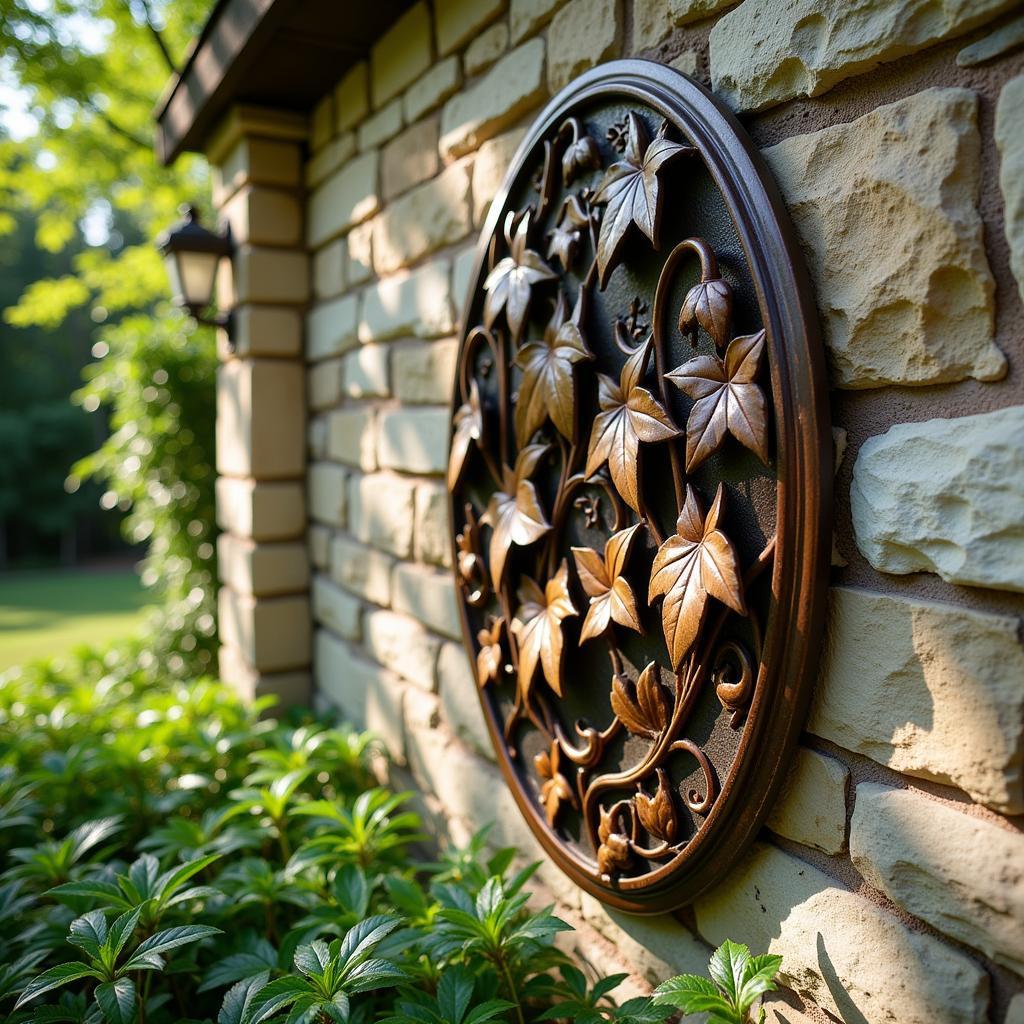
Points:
[[891, 873]]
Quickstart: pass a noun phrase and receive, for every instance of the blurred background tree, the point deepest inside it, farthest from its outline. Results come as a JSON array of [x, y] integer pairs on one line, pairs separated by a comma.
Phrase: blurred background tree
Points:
[[84, 199]]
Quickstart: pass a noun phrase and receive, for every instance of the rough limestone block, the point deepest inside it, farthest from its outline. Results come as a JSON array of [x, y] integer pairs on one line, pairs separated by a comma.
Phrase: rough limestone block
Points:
[[1015, 1011], [962, 874], [512, 87], [323, 384], [360, 253], [1010, 140], [348, 197], [263, 216], [428, 595], [928, 689], [329, 270], [385, 124], [432, 215], [401, 55], [414, 303], [886, 210], [336, 608], [316, 436], [655, 20], [331, 328], [432, 543], [261, 412], [323, 163], [490, 166], [259, 274], [842, 952], [382, 512], [945, 496], [263, 511], [361, 569], [460, 703], [352, 437], [410, 159], [488, 46], [272, 634], [414, 440], [403, 645], [458, 21], [266, 331], [424, 374], [321, 123], [811, 809], [526, 16], [318, 541], [582, 34], [366, 372], [352, 96], [327, 485], [462, 271], [764, 52], [440, 82]]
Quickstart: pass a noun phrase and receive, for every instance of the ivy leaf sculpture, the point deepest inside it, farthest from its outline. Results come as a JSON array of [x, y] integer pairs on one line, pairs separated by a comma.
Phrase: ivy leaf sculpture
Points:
[[727, 400], [548, 387], [469, 429], [613, 854], [649, 713], [564, 238], [657, 813], [515, 514], [709, 304], [538, 628], [632, 192], [580, 155], [629, 414], [491, 658], [555, 789], [697, 561], [611, 596], [509, 285]]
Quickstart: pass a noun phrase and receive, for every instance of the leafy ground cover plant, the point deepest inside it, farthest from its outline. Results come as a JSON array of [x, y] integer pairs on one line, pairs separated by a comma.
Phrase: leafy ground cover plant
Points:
[[168, 856]]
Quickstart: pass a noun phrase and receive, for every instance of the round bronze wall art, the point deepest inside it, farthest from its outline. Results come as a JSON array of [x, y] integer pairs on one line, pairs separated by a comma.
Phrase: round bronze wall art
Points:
[[640, 473]]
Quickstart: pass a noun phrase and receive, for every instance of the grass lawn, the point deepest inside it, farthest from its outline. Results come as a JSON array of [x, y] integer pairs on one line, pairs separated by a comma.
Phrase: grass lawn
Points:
[[51, 611]]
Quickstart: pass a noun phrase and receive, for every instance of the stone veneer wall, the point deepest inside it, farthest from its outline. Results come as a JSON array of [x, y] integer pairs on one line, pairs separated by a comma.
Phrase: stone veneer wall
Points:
[[891, 873]]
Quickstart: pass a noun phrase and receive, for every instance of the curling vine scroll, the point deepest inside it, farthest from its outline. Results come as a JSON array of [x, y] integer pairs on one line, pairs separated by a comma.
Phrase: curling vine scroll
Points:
[[639, 479]]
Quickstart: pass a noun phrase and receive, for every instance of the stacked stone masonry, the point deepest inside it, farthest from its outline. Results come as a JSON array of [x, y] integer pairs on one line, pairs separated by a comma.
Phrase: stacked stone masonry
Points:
[[890, 874]]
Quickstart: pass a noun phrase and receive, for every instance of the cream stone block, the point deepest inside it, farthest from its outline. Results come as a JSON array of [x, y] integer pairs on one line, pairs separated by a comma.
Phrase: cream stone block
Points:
[[272, 633], [582, 34], [401, 55], [290, 689], [459, 21], [460, 702], [327, 484], [486, 48], [366, 372], [352, 96], [384, 124], [336, 608], [316, 437], [263, 216], [423, 220], [346, 198], [259, 162], [763, 53], [323, 384], [362, 570], [268, 275], [324, 162], [427, 594], [352, 437], [928, 689], [382, 512], [1015, 1011], [321, 123], [410, 159], [401, 644], [432, 542], [655, 20], [414, 302], [462, 272], [360, 253], [266, 331], [443, 79], [945, 496], [414, 440], [424, 374], [263, 569], [526, 16], [490, 166], [331, 328], [886, 209], [263, 511], [512, 87], [261, 419], [842, 952], [1010, 141], [329, 270], [318, 543], [962, 874], [811, 809]]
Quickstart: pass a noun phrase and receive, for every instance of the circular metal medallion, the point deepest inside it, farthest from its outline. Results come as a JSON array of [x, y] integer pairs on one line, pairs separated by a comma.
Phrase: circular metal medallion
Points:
[[640, 474]]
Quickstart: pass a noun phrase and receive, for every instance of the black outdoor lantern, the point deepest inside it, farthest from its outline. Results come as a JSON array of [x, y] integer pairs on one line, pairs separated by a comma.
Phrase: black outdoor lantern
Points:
[[192, 254]]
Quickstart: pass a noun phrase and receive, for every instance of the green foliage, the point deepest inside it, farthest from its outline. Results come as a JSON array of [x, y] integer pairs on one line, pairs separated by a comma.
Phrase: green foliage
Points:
[[738, 980]]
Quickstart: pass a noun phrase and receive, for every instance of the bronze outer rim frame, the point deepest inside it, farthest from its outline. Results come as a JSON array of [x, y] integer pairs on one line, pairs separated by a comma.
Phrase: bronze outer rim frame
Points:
[[800, 573]]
